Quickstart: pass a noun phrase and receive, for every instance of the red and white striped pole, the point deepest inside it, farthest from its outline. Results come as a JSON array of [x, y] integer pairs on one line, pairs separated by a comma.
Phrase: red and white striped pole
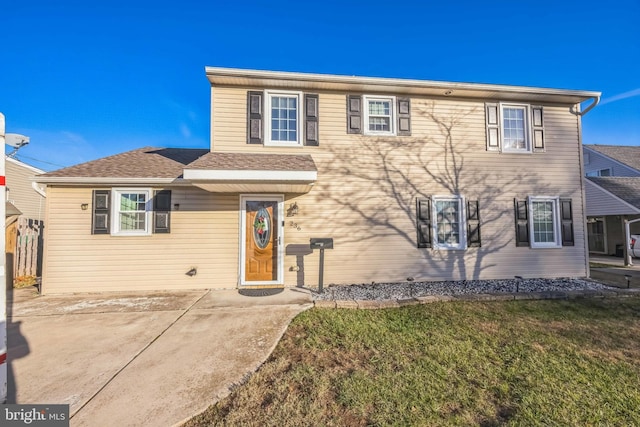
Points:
[[3, 281]]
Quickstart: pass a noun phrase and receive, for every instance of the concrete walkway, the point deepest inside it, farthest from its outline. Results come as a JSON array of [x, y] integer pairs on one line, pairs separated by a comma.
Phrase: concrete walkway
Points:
[[140, 359]]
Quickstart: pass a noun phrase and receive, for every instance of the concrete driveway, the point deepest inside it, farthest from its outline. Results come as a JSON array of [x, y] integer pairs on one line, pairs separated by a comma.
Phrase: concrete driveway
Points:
[[140, 359]]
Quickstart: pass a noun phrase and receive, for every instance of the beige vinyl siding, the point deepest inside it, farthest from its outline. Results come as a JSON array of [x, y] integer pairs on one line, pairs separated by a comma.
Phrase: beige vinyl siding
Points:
[[203, 235], [364, 199], [373, 222], [21, 193]]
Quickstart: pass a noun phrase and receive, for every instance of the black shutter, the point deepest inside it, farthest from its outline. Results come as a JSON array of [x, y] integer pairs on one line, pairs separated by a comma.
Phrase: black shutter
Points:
[[101, 219], [162, 211], [254, 117], [566, 222], [492, 122], [522, 222], [354, 114], [473, 224], [423, 221], [311, 120], [404, 116], [538, 128]]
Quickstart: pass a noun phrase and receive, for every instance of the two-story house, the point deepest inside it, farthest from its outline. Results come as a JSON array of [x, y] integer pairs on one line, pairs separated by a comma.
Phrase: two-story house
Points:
[[411, 179], [612, 195]]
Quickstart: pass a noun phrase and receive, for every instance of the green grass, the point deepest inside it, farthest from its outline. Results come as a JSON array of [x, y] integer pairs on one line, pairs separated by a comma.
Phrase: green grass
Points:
[[533, 363]]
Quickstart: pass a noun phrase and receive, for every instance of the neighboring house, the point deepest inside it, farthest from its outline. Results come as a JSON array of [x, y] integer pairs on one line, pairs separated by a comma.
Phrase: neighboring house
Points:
[[24, 222], [613, 195], [22, 191], [413, 180]]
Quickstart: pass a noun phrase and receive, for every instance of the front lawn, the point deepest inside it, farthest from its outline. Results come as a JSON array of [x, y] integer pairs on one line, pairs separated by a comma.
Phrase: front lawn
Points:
[[572, 363]]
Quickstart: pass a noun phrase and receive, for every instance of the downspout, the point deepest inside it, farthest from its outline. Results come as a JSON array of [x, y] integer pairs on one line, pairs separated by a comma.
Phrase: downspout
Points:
[[577, 111], [39, 190], [580, 112]]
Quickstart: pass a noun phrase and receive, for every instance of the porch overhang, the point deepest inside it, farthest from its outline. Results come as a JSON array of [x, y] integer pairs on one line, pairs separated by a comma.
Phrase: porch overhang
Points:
[[253, 181], [252, 173]]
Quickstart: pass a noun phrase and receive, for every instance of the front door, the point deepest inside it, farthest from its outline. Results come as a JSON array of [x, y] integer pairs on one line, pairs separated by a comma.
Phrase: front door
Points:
[[261, 237]]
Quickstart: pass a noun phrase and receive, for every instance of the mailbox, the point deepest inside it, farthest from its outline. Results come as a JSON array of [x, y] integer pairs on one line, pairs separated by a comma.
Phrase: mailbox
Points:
[[321, 243]]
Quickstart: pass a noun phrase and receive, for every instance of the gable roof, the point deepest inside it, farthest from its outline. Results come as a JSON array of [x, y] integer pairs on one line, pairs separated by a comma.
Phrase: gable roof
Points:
[[151, 165], [627, 155], [147, 162], [625, 188], [254, 162]]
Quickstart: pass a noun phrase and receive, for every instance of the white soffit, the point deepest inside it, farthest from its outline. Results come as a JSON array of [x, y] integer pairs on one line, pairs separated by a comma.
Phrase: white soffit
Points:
[[244, 181]]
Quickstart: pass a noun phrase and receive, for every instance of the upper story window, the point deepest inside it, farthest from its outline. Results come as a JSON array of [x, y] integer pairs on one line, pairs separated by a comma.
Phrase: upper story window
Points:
[[599, 172], [283, 118], [514, 128], [379, 117]]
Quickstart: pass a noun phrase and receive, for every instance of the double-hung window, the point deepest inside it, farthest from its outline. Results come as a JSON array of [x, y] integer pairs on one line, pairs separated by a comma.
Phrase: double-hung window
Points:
[[449, 228], [379, 115], [545, 222], [283, 118], [515, 128], [132, 209]]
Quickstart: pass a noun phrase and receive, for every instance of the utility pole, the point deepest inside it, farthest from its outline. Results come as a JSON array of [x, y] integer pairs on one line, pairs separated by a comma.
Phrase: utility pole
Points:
[[3, 281]]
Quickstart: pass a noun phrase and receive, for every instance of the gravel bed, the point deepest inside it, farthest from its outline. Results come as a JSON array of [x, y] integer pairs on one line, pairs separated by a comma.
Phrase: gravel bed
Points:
[[406, 290]]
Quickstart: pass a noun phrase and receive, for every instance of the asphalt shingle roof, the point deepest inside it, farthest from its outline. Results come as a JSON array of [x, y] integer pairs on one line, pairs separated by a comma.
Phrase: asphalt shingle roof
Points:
[[251, 161], [626, 188], [149, 162], [627, 155]]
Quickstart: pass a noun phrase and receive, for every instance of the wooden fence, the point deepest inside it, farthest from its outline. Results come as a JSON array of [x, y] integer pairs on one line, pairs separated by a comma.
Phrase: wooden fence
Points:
[[24, 241]]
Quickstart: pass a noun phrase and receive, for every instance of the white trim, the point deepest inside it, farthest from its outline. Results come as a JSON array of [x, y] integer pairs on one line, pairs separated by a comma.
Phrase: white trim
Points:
[[527, 128], [556, 222], [309, 81], [115, 212], [392, 119], [279, 198], [24, 165], [598, 172], [249, 175], [268, 94], [462, 230]]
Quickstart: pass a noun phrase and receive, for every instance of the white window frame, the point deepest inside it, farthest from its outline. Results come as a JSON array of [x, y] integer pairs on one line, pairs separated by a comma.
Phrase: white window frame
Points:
[[392, 125], [527, 128], [115, 212], [599, 172], [556, 222], [462, 231], [269, 94]]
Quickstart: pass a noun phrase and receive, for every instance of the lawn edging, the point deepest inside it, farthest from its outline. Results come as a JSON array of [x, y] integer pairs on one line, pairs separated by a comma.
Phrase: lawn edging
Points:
[[547, 295]]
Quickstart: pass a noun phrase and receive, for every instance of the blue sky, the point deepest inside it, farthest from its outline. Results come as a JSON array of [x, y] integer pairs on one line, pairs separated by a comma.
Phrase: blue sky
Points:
[[89, 79]]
